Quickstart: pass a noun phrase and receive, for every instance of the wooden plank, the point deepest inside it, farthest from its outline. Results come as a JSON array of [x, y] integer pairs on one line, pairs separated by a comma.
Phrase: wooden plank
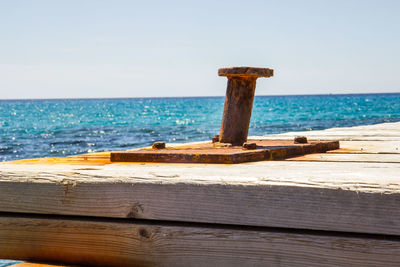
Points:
[[363, 147], [350, 132], [376, 129], [105, 243], [341, 137], [371, 127], [311, 195], [378, 132], [345, 157], [30, 264]]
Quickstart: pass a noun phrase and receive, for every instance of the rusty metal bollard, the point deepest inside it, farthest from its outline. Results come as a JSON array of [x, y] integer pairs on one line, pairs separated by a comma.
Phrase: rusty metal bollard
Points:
[[225, 147], [239, 102]]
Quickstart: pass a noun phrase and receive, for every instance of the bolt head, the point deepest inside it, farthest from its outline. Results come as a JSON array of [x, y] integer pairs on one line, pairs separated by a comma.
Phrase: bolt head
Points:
[[158, 145], [215, 138], [249, 145], [300, 140]]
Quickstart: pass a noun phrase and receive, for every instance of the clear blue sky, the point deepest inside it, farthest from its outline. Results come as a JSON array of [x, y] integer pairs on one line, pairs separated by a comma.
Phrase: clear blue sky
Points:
[[71, 49]]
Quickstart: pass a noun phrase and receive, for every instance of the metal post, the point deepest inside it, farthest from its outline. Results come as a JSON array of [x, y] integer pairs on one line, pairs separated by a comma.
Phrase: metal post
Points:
[[239, 102]]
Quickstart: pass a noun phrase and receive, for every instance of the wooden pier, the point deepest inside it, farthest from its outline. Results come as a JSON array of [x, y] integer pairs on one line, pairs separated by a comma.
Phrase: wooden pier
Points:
[[340, 208]]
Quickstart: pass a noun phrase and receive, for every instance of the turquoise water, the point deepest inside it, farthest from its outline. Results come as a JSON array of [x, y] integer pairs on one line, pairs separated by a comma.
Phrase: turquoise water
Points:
[[41, 128], [4, 263]]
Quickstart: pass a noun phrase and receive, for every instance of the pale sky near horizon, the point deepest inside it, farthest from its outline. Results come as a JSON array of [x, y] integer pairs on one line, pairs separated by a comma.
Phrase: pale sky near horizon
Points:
[[94, 49]]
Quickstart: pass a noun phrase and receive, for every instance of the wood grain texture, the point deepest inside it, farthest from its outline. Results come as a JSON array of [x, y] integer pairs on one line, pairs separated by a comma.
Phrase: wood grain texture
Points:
[[104, 243], [342, 137], [345, 157], [377, 132], [368, 147], [271, 193]]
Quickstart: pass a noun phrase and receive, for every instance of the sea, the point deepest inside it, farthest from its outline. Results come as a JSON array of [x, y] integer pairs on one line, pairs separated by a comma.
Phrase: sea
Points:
[[63, 127]]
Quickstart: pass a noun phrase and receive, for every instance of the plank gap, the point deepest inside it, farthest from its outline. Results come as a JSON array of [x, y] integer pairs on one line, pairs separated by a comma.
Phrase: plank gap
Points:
[[327, 233]]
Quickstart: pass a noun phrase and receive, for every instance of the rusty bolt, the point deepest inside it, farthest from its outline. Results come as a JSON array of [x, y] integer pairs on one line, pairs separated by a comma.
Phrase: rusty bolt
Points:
[[239, 102], [215, 138], [300, 140], [249, 145], [158, 145]]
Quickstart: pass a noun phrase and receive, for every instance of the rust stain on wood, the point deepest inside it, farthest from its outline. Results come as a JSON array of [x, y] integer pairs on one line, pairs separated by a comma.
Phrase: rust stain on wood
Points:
[[30, 264]]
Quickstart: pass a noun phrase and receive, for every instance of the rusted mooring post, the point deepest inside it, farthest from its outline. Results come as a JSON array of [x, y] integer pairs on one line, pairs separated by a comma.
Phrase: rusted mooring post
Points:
[[230, 147], [239, 102]]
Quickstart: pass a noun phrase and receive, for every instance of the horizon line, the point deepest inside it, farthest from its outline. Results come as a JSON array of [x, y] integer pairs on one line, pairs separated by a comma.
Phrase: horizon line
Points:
[[157, 97]]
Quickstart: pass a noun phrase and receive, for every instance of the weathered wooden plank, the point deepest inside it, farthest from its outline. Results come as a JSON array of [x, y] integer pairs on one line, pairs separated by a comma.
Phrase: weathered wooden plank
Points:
[[370, 127], [368, 146], [374, 147], [344, 157], [104, 243], [30, 264], [307, 195], [341, 137], [350, 132], [377, 129], [378, 132]]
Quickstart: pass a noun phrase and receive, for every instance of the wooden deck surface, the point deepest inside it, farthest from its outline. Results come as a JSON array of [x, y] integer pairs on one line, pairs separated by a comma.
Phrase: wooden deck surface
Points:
[[339, 208]]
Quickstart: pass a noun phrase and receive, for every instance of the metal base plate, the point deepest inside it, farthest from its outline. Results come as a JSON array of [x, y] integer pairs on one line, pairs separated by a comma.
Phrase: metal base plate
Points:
[[217, 153]]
